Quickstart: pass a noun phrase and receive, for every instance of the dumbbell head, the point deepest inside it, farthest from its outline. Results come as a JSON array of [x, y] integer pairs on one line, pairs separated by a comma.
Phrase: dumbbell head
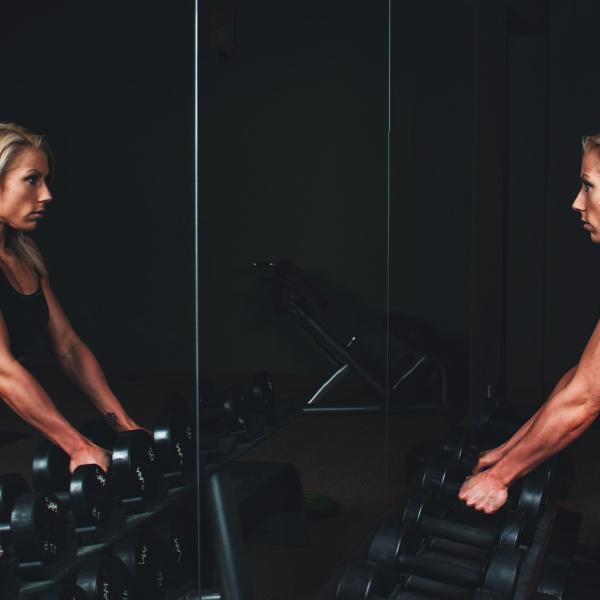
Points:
[[145, 557], [179, 532], [262, 390], [502, 571], [105, 577], [35, 524], [389, 542], [174, 438], [360, 580], [38, 528], [134, 469]]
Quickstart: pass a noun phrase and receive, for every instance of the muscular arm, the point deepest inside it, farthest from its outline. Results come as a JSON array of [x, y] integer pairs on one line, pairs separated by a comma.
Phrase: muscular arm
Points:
[[518, 435], [26, 397], [564, 417], [80, 365]]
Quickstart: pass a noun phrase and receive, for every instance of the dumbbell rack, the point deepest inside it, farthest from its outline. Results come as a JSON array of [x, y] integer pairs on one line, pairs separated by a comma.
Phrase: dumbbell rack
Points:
[[57, 572]]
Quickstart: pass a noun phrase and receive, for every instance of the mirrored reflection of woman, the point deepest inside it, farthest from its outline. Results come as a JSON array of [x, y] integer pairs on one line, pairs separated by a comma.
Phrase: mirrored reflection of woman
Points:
[[29, 309]]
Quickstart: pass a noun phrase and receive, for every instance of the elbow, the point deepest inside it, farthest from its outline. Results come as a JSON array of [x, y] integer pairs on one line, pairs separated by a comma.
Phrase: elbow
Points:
[[585, 399]]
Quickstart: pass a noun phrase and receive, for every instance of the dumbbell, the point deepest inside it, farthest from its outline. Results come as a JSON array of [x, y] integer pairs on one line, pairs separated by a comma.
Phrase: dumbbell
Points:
[[234, 412], [527, 495], [175, 440], [393, 555], [394, 549], [508, 533], [105, 577], [100, 578], [360, 581], [177, 528], [145, 558], [134, 474], [85, 492], [33, 524]]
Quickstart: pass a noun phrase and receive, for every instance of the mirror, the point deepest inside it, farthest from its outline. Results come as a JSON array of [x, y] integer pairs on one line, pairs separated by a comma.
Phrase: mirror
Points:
[[112, 89], [292, 263]]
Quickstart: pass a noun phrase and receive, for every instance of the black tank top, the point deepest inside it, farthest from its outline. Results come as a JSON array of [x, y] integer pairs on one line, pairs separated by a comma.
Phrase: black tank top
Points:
[[26, 316]]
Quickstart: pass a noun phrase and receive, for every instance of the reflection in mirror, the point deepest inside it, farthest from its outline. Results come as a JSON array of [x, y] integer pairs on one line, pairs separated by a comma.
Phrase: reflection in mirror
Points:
[[293, 294], [96, 290]]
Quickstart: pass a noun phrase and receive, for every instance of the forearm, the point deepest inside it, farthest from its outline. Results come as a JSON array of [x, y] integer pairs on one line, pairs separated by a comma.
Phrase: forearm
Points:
[[522, 431], [26, 397], [80, 365], [563, 418]]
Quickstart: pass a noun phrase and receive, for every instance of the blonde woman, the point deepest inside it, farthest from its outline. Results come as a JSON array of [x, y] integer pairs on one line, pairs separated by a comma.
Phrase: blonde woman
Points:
[[574, 403], [29, 309]]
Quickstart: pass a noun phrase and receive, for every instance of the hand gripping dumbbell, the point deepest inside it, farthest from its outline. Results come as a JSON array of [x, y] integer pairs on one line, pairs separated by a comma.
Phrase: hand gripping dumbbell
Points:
[[32, 525], [527, 495], [393, 554], [508, 533], [134, 474], [85, 492], [145, 557]]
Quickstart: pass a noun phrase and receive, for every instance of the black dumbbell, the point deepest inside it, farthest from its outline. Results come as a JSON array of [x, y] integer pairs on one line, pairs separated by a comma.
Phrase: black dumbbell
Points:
[[35, 524], [105, 577], [394, 549], [361, 580], [134, 474], [101, 578], [85, 492], [508, 533], [371, 580], [527, 495], [177, 529], [175, 440], [145, 557]]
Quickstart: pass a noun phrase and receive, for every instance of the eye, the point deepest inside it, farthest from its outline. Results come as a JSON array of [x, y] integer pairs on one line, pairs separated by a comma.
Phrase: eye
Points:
[[32, 179], [586, 186]]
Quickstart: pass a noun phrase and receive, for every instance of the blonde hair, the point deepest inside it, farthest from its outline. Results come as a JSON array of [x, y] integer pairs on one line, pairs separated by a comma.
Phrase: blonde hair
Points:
[[13, 139], [591, 143]]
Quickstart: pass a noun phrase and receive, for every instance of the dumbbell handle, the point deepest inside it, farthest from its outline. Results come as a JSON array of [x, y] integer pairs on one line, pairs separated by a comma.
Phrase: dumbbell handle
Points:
[[439, 571], [457, 532]]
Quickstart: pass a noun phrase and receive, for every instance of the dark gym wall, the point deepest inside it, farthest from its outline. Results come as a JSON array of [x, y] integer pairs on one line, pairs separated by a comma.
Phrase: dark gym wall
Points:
[[553, 288], [574, 110], [293, 165], [113, 90], [432, 74]]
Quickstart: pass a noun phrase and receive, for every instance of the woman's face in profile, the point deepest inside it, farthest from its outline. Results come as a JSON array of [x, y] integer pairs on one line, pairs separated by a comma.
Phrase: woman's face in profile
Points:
[[23, 191]]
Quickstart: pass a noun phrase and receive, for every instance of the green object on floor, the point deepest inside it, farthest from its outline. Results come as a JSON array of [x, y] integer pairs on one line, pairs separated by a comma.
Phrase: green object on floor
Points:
[[320, 506]]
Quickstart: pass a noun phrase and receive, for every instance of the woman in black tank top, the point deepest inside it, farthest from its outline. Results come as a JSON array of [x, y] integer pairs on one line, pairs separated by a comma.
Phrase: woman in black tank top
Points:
[[29, 309], [574, 403]]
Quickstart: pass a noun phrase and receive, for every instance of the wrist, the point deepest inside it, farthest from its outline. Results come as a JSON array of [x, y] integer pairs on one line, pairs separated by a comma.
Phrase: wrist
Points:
[[501, 473]]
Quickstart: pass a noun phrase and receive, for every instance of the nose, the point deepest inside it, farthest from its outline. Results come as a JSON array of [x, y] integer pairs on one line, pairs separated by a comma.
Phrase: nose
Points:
[[579, 202], [45, 195]]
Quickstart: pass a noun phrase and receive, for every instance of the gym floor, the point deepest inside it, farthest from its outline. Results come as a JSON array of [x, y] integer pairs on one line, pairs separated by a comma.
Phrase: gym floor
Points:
[[343, 457]]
